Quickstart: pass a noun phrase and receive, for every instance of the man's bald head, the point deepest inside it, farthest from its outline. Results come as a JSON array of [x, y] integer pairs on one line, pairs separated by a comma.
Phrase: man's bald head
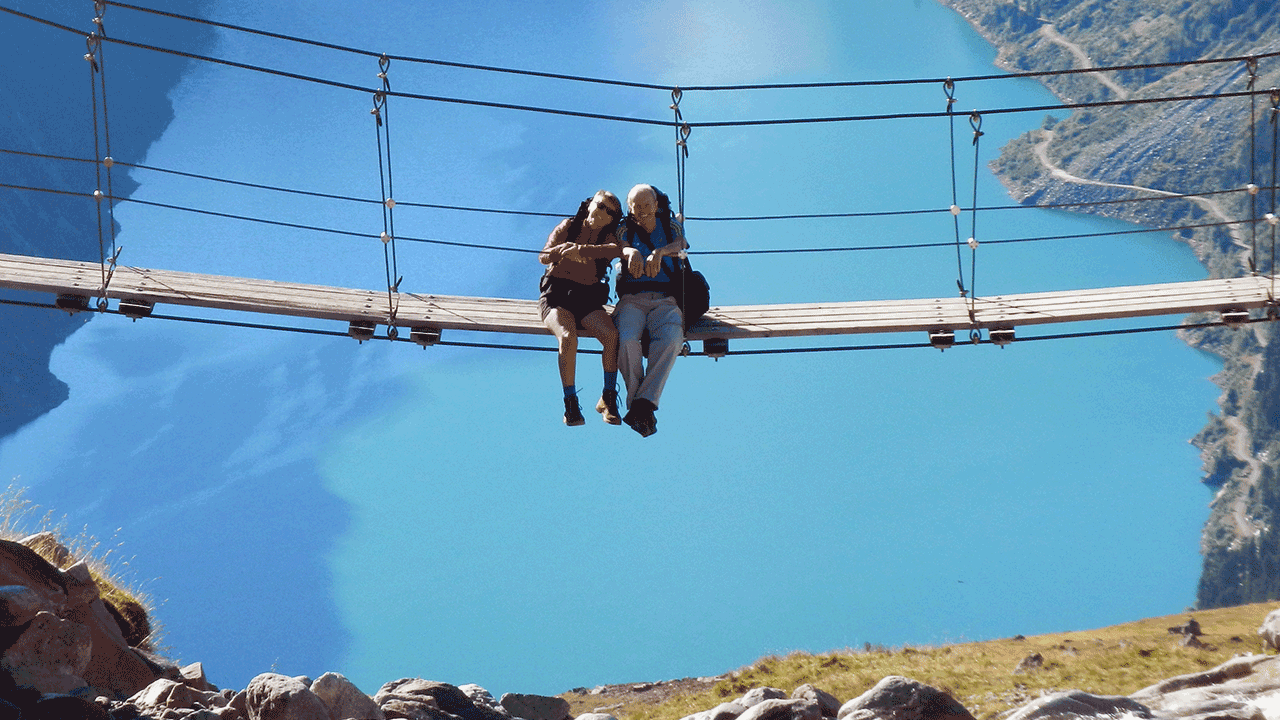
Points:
[[642, 203]]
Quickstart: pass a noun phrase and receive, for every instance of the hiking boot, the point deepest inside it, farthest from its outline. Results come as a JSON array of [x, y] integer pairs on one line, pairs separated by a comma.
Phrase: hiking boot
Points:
[[608, 407], [640, 417], [572, 414]]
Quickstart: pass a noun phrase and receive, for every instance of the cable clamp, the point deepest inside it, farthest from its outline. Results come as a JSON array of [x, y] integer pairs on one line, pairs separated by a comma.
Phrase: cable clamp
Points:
[[975, 122], [106, 279], [1252, 65], [379, 102], [685, 130], [949, 87], [93, 42]]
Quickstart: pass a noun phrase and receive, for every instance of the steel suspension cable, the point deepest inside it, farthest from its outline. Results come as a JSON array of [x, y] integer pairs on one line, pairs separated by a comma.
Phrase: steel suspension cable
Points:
[[975, 121], [949, 88], [1252, 66], [655, 86], [382, 127], [1160, 195], [1271, 216], [94, 45], [96, 57], [682, 154], [779, 251], [648, 121]]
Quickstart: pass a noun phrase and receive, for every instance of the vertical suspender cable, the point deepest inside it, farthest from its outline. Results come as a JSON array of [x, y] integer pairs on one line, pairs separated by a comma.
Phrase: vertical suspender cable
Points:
[[975, 122], [682, 153], [1271, 216], [949, 87], [682, 147], [383, 126], [1252, 66], [96, 57]]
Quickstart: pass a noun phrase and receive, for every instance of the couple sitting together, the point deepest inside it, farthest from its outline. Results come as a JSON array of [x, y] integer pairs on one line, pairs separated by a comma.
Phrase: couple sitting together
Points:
[[574, 292]]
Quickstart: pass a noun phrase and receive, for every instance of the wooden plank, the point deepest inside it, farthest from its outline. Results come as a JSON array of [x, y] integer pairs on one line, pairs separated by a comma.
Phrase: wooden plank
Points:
[[509, 315]]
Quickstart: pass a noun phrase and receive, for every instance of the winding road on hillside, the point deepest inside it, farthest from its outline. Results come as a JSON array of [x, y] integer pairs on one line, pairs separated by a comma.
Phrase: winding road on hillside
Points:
[[1051, 34], [1241, 440]]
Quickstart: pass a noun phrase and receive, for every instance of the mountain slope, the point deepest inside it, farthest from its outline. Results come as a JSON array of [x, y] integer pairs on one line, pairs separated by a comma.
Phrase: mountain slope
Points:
[[1161, 148]]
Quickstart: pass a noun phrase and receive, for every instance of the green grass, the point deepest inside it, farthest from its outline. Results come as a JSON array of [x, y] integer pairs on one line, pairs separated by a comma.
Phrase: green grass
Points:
[[1115, 660]]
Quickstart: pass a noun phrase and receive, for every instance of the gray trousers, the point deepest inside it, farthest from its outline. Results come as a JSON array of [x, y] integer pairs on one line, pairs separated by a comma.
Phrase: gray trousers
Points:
[[659, 313]]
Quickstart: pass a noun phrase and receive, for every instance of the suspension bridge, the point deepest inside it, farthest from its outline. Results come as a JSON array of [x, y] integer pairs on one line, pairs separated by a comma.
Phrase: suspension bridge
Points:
[[82, 286]]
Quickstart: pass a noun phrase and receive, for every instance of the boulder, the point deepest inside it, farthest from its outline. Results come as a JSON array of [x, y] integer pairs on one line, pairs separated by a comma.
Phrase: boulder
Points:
[[1225, 690], [46, 544], [536, 707], [1192, 641], [71, 597], [1270, 630], [50, 656], [595, 716], [1029, 663], [443, 700], [114, 667], [19, 604], [1077, 704], [726, 711], [900, 698], [394, 708], [66, 707], [163, 694], [20, 565], [271, 696], [783, 710], [193, 676], [829, 704], [755, 696], [344, 699], [482, 698]]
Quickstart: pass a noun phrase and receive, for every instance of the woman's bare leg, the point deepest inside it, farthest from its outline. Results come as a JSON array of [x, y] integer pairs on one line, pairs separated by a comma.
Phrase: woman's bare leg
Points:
[[563, 325]]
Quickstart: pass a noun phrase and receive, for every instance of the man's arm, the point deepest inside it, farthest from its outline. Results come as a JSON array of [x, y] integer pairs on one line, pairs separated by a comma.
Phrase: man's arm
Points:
[[653, 264]]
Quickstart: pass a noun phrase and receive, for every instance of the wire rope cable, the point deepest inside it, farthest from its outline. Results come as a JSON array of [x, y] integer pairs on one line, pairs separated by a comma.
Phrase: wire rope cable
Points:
[[949, 88], [975, 121], [704, 124], [656, 86], [1154, 195]]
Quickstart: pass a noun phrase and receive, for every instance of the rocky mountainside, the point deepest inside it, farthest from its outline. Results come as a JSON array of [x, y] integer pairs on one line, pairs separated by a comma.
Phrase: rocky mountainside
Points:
[[1160, 148]]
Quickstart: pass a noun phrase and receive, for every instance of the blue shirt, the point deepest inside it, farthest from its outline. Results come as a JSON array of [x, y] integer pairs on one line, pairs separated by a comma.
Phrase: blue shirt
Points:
[[658, 238]]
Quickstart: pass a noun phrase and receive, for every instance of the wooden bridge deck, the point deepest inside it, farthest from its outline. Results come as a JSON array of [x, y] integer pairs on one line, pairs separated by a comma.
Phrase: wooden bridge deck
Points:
[[442, 312]]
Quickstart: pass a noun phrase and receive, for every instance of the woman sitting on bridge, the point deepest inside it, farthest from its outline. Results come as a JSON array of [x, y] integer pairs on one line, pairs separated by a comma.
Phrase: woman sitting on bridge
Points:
[[573, 293]]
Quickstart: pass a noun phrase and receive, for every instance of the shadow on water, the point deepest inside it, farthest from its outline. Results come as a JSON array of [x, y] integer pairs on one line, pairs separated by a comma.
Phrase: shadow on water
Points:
[[231, 537]]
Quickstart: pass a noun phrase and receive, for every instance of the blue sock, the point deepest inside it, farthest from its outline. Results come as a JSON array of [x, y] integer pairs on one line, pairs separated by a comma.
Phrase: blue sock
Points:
[[569, 391], [611, 381]]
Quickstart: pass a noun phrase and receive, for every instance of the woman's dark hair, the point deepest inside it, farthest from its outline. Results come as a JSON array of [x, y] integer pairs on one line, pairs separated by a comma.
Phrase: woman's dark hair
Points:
[[580, 218]]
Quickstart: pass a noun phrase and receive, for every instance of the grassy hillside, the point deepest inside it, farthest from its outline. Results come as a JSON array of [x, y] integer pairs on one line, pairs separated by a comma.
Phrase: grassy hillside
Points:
[[1116, 660]]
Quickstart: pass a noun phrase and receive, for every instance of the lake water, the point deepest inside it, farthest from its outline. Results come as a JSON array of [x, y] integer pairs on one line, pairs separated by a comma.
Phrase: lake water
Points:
[[308, 504]]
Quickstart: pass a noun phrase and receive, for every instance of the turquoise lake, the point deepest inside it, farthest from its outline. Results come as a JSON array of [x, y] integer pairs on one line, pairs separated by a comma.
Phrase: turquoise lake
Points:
[[308, 504]]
